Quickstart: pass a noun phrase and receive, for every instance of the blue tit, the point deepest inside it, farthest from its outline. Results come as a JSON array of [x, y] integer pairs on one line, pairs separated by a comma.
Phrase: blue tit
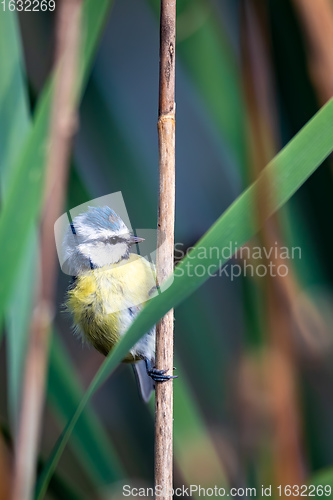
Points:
[[110, 286]]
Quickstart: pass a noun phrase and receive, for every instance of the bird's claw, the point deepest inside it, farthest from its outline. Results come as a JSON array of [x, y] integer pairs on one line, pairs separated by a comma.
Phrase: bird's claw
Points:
[[160, 375]]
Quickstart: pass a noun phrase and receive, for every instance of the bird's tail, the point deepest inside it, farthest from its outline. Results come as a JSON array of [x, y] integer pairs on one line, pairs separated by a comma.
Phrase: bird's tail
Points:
[[144, 381]]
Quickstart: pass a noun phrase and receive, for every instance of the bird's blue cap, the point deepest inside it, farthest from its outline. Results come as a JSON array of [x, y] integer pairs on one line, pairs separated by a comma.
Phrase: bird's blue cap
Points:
[[97, 222]]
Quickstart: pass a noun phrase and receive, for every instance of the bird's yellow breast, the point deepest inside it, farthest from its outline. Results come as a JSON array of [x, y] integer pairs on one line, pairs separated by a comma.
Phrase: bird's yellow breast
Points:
[[104, 300]]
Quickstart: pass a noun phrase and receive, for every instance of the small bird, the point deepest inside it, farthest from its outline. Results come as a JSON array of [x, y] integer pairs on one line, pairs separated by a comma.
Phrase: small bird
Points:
[[110, 286]]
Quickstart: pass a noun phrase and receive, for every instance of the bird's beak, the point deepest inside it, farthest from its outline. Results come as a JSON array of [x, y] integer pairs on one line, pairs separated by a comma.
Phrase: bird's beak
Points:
[[135, 239]]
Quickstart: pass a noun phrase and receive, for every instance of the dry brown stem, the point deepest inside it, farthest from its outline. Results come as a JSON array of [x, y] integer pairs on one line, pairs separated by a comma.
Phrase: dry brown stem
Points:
[[62, 128], [317, 18], [165, 253], [282, 380]]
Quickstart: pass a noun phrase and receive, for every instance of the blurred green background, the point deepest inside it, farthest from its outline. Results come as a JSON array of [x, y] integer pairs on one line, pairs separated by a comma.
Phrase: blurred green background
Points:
[[253, 401]]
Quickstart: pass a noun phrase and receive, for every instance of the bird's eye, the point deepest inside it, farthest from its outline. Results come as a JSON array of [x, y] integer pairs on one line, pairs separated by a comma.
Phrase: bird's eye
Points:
[[113, 240]]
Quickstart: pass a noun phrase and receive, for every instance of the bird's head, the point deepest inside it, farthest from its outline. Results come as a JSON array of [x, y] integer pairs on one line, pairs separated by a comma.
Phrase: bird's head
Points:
[[95, 239]]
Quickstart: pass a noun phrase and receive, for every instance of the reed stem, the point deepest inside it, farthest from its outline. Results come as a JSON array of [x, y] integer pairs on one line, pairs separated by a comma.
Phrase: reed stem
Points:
[[165, 251]]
